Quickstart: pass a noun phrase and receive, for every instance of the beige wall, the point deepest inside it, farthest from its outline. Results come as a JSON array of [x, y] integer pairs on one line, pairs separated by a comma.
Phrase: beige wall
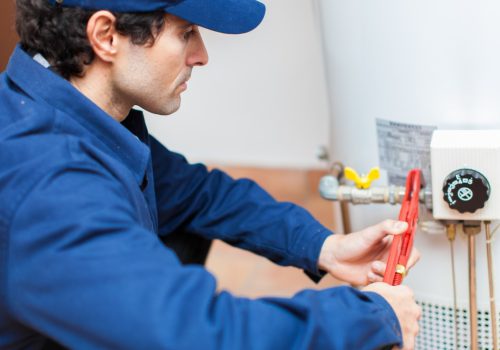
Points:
[[8, 37]]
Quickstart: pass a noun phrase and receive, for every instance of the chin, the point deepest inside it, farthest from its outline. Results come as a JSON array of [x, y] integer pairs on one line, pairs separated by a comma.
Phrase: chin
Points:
[[165, 109]]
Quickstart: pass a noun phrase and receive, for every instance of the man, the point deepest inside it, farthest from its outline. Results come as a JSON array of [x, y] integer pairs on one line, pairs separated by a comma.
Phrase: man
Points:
[[100, 224]]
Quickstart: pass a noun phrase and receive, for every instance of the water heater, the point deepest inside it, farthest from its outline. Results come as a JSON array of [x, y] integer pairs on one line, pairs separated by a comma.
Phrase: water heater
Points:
[[433, 64]]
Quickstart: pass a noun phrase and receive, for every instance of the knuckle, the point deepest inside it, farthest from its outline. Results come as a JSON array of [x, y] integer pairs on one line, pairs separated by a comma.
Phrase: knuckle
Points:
[[417, 254], [408, 291], [419, 312], [386, 225], [411, 294], [387, 222]]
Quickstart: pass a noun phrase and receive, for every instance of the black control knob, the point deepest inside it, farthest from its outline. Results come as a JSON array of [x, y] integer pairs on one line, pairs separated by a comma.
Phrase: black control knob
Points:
[[466, 190]]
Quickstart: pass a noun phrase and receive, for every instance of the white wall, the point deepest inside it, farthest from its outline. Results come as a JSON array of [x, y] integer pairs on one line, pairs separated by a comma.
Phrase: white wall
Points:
[[262, 98]]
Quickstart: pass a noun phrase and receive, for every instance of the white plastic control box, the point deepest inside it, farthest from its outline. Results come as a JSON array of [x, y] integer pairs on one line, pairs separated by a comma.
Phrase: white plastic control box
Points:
[[465, 168]]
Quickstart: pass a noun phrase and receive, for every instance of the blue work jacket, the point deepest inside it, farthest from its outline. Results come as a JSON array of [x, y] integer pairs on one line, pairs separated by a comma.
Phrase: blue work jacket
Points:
[[84, 204]]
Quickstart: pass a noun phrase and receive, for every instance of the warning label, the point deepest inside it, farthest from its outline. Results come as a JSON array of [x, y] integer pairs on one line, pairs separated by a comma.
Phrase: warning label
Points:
[[402, 147]]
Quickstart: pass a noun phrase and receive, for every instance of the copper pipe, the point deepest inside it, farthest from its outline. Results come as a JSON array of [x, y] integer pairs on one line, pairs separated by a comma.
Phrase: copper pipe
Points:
[[472, 292], [451, 231], [346, 218], [491, 283], [337, 170], [471, 229]]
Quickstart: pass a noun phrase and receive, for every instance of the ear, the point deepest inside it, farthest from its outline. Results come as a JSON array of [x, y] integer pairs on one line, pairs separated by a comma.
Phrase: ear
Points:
[[102, 35]]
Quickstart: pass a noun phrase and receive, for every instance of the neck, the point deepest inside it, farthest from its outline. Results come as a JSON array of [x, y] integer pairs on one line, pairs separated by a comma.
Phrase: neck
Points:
[[95, 85]]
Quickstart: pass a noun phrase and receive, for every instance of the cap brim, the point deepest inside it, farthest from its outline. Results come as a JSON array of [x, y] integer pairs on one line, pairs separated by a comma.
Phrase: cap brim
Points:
[[225, 16]]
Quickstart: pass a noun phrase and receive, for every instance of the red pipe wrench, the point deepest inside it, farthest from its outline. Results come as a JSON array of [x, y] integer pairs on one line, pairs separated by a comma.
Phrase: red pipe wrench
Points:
[[402, 244]]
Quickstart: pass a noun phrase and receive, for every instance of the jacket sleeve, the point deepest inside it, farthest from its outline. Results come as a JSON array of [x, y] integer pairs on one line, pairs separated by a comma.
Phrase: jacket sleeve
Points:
[[213, 205], [84, 273]]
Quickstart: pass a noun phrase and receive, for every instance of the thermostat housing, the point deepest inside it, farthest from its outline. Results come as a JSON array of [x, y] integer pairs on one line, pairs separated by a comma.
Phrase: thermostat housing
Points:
[[465, 171]]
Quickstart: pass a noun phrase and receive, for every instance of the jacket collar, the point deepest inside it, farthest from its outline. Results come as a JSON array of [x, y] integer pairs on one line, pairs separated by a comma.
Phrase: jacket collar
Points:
[[45, 86]]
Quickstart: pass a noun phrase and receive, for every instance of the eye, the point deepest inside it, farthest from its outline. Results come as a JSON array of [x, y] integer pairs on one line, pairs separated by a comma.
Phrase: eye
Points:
[[189, 32]]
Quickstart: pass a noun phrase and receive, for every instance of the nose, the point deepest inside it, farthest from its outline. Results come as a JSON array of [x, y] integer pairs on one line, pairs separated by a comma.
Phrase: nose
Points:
[[198, 55]]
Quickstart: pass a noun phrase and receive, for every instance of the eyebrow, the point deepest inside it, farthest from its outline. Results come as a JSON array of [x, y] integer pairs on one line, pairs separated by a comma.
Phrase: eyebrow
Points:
[[187, 25]]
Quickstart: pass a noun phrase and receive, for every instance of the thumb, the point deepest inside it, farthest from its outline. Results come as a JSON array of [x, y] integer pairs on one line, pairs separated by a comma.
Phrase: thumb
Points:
[[386, 227]]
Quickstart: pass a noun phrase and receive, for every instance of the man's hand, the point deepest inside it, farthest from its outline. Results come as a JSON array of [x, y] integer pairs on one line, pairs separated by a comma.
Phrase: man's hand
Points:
[[359, 258], [403, 303]]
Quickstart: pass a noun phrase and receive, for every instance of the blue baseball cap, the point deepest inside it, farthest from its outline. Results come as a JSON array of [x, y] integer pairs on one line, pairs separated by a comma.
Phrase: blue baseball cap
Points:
[[225, 16]]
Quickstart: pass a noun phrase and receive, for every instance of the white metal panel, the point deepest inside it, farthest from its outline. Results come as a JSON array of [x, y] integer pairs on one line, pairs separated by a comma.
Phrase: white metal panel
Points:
[[466, 149]]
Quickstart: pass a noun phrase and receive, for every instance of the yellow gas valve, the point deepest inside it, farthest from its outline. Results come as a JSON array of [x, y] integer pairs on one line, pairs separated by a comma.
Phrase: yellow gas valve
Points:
[[363, 181]]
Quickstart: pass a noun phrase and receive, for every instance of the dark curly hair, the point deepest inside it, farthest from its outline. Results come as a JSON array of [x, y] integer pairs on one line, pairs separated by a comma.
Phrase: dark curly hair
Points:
[[59, 33]]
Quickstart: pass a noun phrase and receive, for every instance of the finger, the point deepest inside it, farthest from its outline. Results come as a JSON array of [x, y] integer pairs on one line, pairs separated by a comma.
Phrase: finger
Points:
[[414, 257], [372, 277], [419, 313], [393, 227], [387, 227], [378, 267]]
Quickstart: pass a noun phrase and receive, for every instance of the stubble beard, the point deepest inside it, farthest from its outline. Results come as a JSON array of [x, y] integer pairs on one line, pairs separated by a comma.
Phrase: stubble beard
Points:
[[165, 103], [171, 105], [173, 101]]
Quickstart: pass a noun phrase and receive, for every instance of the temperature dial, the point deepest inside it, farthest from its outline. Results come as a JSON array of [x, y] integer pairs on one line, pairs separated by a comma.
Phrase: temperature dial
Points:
[[466, 190]]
